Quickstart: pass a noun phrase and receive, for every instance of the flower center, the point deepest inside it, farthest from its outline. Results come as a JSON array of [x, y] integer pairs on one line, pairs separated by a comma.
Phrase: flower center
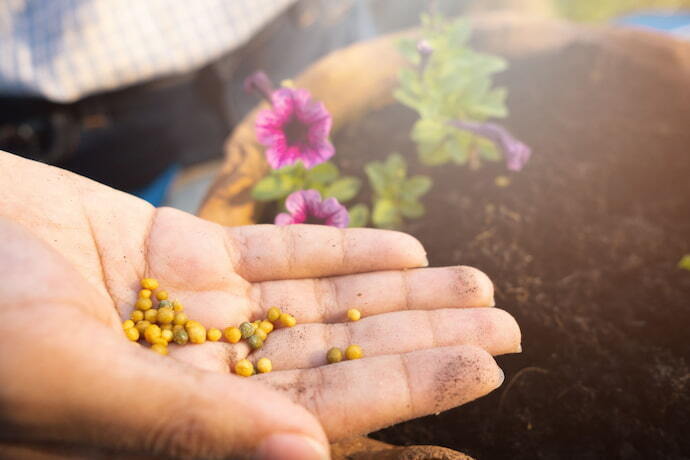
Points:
[[296, 132], [311, 219]]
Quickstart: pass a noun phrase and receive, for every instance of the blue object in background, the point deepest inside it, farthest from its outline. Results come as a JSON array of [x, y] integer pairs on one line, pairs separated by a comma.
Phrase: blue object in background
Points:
[[155, 192], [674, 22]]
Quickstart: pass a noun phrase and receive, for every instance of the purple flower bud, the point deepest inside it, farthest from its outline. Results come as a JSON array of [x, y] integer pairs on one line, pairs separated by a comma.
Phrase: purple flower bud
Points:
[[258, 82], [424, 47], [515, 152], [425, 50]]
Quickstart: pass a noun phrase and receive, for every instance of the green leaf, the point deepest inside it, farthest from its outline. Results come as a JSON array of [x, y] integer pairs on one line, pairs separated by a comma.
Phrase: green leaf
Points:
[[291, 170], [409, 81], [459, 32], [386, 214], [396, 167], [377, 177], [406, 98], [416, 186], [273, 187], [407, 47], [323, 173], [321, 188], [412, 209], [434, 154], [343, 189], [488, 150], [487, 64], [459, 146], [427, 131], [684, 262], [492, 105], [359, 215]]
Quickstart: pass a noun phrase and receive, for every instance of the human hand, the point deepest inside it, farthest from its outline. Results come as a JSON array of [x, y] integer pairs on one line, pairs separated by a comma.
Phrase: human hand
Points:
[[70, 378]]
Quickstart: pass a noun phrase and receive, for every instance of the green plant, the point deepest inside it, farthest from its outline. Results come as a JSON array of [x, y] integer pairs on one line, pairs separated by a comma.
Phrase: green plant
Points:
[[450, 81], [324, 178], [600, 11], [395, 195]]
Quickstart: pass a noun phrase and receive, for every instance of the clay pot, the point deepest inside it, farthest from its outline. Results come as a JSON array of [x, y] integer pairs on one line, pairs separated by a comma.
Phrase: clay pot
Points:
[[369, 87]]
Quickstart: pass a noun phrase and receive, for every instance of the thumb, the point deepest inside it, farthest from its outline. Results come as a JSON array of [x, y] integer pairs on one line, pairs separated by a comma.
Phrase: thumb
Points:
[[133, 400]]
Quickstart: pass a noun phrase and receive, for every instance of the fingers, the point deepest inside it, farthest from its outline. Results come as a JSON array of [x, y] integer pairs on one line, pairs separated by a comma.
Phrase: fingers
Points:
[[268, 252], [305, 345], [328, 299], [361, 396]]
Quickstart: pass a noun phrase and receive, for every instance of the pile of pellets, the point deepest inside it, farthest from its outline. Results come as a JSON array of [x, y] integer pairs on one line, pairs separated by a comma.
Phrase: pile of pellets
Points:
[[165, 322]]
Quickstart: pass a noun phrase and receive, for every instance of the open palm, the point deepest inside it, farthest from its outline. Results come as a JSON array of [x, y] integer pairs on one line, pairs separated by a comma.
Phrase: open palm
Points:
[[70, 274]]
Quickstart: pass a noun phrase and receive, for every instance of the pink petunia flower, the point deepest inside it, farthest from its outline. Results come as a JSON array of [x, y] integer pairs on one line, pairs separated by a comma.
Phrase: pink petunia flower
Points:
[[295, 129], [306, 207]]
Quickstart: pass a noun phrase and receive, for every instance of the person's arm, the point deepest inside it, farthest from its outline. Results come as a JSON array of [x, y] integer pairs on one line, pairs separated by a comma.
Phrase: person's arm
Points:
[[72, 255]]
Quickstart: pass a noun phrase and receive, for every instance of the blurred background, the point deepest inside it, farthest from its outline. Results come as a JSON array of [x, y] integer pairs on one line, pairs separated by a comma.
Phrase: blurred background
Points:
[[159, 132]]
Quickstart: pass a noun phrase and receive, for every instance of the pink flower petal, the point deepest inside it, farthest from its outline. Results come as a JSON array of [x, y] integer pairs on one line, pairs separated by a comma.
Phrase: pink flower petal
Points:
[[295, 129], [306, 206], [284, 219], [300, 203]]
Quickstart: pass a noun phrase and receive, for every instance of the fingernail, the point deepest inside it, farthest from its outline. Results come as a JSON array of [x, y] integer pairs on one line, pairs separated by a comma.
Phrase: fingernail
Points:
[[291, 447]]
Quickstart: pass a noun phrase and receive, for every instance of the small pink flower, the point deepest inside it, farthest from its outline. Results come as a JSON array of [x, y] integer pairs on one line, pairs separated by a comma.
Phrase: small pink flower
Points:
[[306, 207], [295, 129]]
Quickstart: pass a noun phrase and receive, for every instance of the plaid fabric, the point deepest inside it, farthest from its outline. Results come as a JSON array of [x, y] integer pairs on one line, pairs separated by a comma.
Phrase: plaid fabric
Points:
[[64, 50]]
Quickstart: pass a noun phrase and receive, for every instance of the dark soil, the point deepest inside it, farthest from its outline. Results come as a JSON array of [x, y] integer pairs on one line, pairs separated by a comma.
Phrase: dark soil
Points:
[[582, 247]]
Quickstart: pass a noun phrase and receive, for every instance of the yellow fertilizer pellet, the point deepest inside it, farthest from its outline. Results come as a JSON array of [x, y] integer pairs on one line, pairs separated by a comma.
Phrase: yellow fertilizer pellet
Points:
[[232, 334], [132, 334], [261, 334], [160, 349], [151, 333], [180, 318], [149, 283], [247, 330], [141, 326], [144, 304], [334, 355], [255, 342], [266, 326], [214, 334], [287, 320], [273, 314], [167, 334], [137, 315], [166, 315], [151, 315], [244, 367], [264, 365], [353, 314], [180, 336], [197, 334], [353, 352]]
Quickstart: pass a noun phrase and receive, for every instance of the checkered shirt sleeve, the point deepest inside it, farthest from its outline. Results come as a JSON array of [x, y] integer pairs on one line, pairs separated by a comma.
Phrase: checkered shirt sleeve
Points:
[[64, 50]]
